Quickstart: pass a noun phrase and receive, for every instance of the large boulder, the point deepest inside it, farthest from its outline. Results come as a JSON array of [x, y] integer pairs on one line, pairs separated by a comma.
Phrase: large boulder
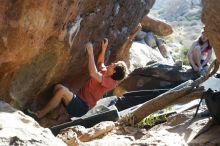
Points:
[[42, 42], [19, 129], [154, 76], [211, 19], [140, 54], [158, 27]]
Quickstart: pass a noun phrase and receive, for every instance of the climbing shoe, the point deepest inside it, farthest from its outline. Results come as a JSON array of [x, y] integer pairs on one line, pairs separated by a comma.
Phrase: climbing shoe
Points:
[[31, 114]]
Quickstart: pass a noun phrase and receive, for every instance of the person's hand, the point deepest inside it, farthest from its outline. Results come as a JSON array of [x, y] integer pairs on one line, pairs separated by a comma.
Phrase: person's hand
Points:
[[104, 43], [89, 48], [196, 68]]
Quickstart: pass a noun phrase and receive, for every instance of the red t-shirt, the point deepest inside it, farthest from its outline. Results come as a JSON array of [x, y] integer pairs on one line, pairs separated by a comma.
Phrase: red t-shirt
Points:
[[92, 91]]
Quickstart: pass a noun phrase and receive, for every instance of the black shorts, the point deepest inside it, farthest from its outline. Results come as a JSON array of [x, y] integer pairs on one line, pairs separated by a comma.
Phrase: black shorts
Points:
[[205, 65], [77, 107]]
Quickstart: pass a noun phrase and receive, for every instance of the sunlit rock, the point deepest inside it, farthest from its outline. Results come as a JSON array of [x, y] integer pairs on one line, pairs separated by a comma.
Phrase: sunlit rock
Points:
[[19, 129], [211, 18]]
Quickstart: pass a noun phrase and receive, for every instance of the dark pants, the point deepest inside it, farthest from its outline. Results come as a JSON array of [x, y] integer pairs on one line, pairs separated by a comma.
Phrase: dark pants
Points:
[[77, 107], [204, 66]]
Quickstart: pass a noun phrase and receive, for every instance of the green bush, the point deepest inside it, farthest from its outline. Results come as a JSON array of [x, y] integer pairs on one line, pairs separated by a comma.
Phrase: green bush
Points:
[[183, 56], [152, 120]]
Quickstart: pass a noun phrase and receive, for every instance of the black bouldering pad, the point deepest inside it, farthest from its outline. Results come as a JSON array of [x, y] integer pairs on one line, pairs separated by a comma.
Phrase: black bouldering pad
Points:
[[111, 115]]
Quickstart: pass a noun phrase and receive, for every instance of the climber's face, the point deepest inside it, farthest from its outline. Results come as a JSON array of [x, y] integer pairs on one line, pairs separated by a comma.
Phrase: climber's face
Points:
[[111, 69]]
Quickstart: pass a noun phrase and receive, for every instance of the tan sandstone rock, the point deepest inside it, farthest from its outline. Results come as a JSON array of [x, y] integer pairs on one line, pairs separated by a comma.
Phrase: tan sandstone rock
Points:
[[77, 134], [211, 19], [18, 129], [42, 43], [158, 27]]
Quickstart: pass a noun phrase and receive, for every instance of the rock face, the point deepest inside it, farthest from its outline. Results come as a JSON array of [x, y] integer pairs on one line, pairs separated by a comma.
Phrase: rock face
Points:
[[42, 42], [76, 134], [211, 19], [154, 76], [19, 129]]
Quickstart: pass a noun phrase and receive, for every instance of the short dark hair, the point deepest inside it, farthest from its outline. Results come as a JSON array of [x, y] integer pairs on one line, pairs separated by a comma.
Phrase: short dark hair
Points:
[[120, 71]]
